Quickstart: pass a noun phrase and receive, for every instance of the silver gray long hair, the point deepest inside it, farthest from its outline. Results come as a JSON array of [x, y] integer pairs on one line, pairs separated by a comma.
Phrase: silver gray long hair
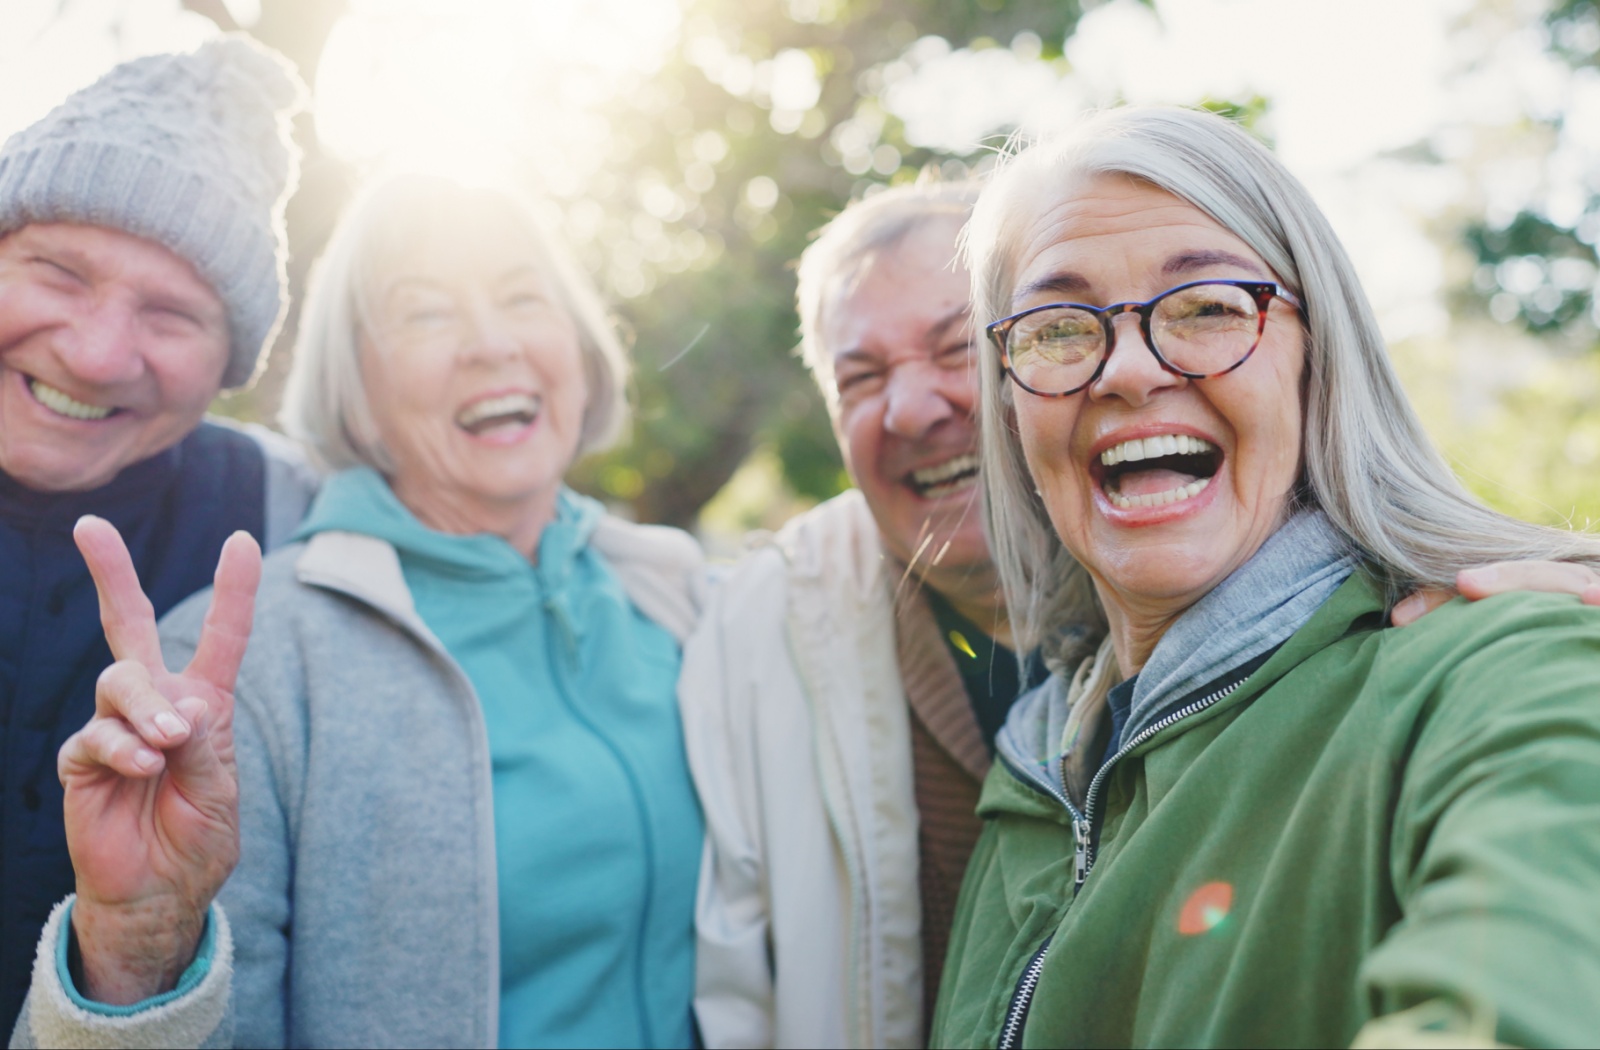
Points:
[[1367, 461]]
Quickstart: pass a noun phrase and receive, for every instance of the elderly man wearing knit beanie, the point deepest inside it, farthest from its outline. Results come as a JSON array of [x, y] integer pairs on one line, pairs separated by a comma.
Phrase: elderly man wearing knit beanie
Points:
[[142, 256]]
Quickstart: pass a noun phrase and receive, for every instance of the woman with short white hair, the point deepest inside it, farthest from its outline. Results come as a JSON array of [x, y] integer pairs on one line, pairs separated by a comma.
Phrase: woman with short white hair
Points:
[[1243, 810], [464, 816]]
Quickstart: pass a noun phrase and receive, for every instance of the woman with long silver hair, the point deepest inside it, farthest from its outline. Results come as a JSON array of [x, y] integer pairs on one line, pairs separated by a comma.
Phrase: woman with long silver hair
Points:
[[1241, 810]]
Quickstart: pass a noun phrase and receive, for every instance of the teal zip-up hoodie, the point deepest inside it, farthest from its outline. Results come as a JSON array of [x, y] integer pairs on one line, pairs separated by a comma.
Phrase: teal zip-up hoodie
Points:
[[597, 830], [1374, 821]]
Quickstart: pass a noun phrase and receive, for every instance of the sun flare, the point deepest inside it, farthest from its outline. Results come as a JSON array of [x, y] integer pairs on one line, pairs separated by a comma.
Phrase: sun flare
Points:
[[469, 87]]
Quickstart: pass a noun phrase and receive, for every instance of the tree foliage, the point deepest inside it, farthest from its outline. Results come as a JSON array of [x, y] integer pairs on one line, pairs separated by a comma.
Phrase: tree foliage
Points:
[[763, 122], [1539, 269], [765, 118]]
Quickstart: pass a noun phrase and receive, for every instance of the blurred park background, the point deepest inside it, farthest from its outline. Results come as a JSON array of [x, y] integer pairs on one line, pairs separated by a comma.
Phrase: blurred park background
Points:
[[688, 147]]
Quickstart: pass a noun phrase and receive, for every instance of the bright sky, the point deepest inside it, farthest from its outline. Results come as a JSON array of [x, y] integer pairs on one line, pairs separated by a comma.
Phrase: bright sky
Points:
[[1347, 81], [452, 80], [1342, 92]]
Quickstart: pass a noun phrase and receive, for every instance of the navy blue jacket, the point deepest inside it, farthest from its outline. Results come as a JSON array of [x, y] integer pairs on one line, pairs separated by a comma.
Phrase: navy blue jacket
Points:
[[174, 511]]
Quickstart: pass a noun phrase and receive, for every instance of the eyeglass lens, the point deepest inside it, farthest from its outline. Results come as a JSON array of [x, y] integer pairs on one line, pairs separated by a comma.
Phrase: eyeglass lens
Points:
[[1204, 329]]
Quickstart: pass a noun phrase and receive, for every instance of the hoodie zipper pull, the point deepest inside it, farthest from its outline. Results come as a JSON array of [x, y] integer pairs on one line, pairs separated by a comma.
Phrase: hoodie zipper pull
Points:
[[1080, 870]]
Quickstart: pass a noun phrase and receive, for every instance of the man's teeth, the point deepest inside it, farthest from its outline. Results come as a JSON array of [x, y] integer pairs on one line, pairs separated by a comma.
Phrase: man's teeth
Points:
[[1159, 499], [943, 472], [1151, 447], [942, 478], [64, 404], [491, 408]]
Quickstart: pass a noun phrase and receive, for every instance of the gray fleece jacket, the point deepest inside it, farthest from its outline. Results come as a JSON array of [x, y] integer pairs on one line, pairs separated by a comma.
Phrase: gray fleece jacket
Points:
[[364, 910]]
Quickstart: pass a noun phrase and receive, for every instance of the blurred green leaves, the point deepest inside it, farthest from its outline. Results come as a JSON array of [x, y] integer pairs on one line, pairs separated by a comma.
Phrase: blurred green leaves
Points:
[[761, 124], [763, 120], [1538, 269], [1538, 272]]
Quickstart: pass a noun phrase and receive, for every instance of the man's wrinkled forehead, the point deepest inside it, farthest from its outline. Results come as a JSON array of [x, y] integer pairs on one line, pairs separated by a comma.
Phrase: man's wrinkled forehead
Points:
[[843, 287], [932, 243]]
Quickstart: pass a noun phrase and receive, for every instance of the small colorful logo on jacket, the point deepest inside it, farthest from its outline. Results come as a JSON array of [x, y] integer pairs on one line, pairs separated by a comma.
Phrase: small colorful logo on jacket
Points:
[[1205, 909]]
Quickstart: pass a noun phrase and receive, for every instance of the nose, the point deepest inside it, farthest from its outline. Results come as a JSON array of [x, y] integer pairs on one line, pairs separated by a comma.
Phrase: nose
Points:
[[491, 335], [100, 347], [916, 402], [1132, 371]]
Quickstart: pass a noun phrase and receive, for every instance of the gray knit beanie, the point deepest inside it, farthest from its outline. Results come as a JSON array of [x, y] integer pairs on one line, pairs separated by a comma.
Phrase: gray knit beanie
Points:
[[191, 151]]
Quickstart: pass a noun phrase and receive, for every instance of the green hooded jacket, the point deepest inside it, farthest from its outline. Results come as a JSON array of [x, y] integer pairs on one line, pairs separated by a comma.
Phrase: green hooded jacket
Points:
[[1374, 820]]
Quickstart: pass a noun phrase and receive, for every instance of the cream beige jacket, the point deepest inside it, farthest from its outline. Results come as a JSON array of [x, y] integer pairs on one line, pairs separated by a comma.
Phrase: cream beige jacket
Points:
[[799, 739]]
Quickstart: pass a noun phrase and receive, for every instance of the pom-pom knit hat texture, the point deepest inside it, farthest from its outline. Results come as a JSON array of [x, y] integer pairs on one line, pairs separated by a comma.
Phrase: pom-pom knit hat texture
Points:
[[193, 152]]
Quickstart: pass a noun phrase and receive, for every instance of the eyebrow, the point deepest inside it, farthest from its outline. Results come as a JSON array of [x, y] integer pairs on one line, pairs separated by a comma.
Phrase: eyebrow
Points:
[[410, 283], [1187, 262], [941, 328], [1065, 283], [64, 256], [855, 355], [195, 307], [937, 332]]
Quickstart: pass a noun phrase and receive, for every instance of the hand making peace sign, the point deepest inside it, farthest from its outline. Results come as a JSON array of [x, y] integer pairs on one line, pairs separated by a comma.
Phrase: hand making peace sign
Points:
[[152, 814]]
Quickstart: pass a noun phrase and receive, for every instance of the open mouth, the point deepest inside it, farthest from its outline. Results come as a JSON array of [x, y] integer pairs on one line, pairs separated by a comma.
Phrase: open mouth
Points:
[[944, 479], [1156, 471], [64, 404], [496, 413]]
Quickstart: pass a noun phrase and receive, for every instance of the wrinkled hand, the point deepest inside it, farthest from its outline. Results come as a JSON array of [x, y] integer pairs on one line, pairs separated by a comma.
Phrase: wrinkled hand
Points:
[[1556, 577], [152, 813]]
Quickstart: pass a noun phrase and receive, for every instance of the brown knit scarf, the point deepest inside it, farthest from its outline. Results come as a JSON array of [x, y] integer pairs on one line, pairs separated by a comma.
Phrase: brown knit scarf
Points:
[[949, 762]]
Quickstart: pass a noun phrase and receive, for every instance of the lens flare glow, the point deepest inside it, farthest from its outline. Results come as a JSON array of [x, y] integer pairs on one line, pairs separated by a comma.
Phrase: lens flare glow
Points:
[[468, 88]]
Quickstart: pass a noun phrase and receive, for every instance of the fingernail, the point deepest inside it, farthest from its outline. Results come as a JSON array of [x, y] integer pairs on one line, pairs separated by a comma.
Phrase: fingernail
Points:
[[1483, 577], [170, 724], [1404, 609], [144, 758]]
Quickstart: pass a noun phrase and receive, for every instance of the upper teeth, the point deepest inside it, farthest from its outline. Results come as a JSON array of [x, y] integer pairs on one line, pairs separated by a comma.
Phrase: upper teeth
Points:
[[504, 405], [64, 404], [1151, 447], [942, 472]]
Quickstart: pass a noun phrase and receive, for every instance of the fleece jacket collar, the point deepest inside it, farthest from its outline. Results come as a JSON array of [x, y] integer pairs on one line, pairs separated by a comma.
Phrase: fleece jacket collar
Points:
[[360, 501], [1254, 610]]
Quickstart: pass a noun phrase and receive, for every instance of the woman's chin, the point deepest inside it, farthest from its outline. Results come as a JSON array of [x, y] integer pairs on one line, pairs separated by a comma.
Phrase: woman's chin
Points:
[[1157, 582], [1168, 554]]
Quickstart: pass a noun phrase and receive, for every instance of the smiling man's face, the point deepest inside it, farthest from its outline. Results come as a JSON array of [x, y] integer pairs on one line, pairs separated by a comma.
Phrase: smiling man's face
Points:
[[111, 347], [900, 336]]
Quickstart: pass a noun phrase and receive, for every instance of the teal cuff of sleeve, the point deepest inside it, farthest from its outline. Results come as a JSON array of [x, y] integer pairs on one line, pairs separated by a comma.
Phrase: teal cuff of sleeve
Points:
[[187, 983]]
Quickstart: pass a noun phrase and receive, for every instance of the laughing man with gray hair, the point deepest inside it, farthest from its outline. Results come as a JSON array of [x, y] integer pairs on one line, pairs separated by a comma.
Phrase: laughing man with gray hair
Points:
[[142, 270], [842, 693]]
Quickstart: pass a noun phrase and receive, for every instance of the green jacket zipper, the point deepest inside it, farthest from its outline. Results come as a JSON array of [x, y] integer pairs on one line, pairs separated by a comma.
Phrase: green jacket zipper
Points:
[[1083, 860], [1022, 998]]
